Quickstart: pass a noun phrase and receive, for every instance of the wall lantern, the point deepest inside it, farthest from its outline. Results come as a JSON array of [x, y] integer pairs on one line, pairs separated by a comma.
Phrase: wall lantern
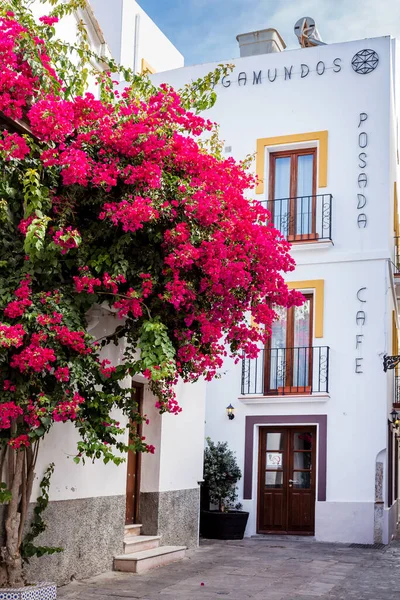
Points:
[[229, 412], [390, 362], [395, 417]]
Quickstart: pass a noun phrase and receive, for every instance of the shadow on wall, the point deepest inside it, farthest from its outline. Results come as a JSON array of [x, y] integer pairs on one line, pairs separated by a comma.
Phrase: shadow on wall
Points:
[[379, 497]]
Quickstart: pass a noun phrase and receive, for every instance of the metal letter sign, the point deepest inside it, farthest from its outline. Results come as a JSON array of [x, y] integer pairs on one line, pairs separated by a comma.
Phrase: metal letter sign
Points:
[[363, 62], [362, 201], [256, 77], [362, 179], [360, 321], [360, 317], [361, 291]]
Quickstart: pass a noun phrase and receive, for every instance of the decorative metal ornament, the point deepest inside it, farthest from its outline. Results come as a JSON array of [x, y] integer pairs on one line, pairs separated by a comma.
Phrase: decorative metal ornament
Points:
[[365, 61], [390, 362], [307, 33]]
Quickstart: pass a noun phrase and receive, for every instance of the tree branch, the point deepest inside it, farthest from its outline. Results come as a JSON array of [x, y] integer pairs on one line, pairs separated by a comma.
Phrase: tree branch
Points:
[[24, 500], [3, 453]]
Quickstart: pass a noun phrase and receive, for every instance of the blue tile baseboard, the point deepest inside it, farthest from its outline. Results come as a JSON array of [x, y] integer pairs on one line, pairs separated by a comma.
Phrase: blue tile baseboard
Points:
[[40, 591]]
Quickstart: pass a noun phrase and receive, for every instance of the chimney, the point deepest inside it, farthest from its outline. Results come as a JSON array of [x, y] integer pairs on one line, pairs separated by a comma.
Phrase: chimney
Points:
[[264, 41]]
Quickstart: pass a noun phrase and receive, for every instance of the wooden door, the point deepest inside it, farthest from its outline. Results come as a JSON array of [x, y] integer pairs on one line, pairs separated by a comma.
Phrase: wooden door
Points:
[[133, 470], [286, 480]]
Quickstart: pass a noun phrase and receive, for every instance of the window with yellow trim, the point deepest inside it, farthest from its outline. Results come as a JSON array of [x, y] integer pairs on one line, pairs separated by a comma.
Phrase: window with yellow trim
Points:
[[396, 226], [288, 354], [293, 364], [297, 168], [292, 193], [317, 138]]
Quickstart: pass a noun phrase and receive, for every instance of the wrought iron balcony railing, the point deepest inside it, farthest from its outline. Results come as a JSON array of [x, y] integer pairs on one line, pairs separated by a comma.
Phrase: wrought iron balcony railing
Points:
[[304, 218], [286, 371]]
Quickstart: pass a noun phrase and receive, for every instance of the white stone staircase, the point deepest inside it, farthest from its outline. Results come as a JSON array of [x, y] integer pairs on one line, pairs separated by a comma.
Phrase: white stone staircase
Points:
[[143, 552]]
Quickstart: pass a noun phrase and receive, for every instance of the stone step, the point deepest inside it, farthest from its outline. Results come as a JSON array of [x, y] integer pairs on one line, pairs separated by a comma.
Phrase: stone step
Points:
[[138, 543], [140, 562], [132, 530]]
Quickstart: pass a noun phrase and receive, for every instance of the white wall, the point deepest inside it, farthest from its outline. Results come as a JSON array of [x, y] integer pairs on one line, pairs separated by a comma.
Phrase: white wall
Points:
[[71, 481], [177, 463], [109, 16], [66, 28], [118, 24], [183, 440], [333, 102], [178, 459], [356, 406]]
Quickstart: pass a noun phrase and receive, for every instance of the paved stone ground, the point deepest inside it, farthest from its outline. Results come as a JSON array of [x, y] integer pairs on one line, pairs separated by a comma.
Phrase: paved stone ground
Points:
[[264, 568]]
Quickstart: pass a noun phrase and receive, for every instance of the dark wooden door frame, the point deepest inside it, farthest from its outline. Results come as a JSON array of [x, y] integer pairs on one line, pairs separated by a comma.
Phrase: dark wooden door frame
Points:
[[261, 474], [262, 420], [287, 490], [134, 464], [295, 499]]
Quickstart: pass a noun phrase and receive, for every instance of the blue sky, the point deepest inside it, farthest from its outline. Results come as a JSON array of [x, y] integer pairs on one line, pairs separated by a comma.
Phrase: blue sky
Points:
[[205, 30]]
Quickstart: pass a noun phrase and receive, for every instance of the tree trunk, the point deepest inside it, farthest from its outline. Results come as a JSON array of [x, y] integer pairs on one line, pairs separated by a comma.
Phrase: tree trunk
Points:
[[28, 476], [11, 557], [20, 473]]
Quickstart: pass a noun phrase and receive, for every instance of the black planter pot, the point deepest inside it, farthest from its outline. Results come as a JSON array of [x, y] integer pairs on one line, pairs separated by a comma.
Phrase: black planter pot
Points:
[[216, 525]]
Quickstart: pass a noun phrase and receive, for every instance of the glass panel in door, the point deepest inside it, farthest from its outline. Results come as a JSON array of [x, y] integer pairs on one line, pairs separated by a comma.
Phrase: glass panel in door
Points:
[[304, 200], [275, 459], [277, 351], [275, 441], [302, 460], [303, 440], [281, 208], [274, 479], [301, 480], [301, 344]]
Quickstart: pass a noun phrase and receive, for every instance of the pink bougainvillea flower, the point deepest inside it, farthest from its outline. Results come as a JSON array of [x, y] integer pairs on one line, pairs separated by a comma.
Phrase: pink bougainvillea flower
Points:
[[47, 20]]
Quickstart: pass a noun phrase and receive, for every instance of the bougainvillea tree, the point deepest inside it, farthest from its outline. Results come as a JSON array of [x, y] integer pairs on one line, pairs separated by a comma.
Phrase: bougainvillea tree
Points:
[[119, 199]]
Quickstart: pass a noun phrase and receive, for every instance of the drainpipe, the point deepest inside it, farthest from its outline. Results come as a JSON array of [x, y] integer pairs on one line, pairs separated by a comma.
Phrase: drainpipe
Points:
[[136, 46]]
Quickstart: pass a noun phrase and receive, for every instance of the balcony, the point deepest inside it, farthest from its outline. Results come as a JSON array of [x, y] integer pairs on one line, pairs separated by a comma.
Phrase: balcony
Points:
[[304, 218], [287, 372]]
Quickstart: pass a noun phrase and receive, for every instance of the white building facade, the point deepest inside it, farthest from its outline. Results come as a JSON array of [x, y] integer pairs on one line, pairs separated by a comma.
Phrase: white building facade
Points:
[[313, 430]]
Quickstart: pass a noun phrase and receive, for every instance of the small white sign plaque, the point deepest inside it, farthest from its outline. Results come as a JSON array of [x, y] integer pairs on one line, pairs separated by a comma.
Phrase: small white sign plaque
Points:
[[274, 459]]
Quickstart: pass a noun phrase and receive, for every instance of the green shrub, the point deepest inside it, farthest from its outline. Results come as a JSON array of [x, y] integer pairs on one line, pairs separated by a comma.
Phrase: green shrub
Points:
[[221, 474]]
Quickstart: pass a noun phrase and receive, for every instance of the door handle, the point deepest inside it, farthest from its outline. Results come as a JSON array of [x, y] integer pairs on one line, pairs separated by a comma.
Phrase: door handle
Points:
[[293, 481]]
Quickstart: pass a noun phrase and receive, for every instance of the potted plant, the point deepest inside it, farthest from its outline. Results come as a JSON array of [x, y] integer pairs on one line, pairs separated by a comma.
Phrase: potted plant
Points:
[[221, 474]]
